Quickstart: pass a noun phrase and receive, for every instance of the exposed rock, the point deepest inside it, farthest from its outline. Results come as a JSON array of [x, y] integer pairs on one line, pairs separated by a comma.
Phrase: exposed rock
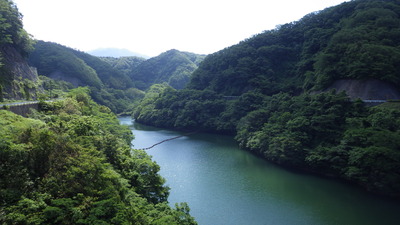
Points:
[[24, 109], [22, 82], [369, 89], [58, 75], [17, 64]]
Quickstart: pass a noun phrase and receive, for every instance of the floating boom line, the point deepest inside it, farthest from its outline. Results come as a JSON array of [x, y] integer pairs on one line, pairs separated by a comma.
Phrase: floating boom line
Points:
[[169, 139]]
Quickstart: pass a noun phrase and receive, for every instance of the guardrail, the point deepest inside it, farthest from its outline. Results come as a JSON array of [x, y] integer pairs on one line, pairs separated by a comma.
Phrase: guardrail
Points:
[[374, 101], [19, 103], [23, 108]]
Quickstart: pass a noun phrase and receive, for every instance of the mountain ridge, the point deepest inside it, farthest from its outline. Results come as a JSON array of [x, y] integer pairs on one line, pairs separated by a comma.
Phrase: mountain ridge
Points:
[[290, 107], [354, 40], [173, 66], [115, 52]]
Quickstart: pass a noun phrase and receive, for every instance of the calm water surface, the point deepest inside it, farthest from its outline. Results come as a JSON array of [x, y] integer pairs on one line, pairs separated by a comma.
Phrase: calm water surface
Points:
[[225, 185]]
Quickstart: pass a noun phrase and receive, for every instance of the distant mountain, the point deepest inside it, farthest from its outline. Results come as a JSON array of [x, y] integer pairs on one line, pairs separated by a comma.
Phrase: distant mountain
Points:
[[115, 52], [173, 67]]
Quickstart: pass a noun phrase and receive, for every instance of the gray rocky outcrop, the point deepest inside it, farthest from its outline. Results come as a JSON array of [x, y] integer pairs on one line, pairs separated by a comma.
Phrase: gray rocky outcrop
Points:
[[20, 81], [368, 89]]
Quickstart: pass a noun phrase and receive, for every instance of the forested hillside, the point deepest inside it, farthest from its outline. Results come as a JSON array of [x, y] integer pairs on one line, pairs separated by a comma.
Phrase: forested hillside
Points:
[[114, 82], [109, 86], [59, 62], [17, 79], [124, 64], [11, 28], [265, 91], [71, 163], [173, 67], [357, 40]]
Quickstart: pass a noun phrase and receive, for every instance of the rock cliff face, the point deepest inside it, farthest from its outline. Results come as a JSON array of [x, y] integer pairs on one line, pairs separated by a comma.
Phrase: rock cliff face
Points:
[[369, 89], [20, 81], [59, 75]]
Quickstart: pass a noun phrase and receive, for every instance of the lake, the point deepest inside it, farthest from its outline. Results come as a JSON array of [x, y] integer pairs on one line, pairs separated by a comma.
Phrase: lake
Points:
[[225, 185]]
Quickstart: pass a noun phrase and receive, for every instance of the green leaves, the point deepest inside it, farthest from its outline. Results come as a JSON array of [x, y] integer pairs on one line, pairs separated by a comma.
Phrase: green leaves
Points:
[[173, 67], [356, 39], [271, 77], [51, 58], [327, 134], [184, 109], [76, 167], [365, 47], [11, 30]]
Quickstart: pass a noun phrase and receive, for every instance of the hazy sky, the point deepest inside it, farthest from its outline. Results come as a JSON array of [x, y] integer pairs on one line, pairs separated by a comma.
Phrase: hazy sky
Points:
[[153, 26]]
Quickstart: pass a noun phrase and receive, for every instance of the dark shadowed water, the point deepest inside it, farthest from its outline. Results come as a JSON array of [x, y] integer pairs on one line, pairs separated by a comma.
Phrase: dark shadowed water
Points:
[[225, 185]]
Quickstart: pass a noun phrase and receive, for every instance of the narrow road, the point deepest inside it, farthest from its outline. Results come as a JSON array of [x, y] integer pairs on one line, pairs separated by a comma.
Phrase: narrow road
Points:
[[26, 102], [374, 101], [19, 103]]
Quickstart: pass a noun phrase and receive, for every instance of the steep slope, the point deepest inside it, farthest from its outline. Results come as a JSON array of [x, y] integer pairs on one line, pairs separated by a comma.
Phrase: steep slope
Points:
[[110, 76], [173, 67], [60, 63], [124, 64], [79, 68], [366, 89], [264, 91], [17, 79], [354, 40], [75, 158], [108, 85]]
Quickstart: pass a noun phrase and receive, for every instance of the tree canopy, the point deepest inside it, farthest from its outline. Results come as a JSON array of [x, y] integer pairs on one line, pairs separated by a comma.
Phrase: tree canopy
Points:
[[356, 39], [12, 35], [71, 163], [11, 28], [173, 67], [270, 92]]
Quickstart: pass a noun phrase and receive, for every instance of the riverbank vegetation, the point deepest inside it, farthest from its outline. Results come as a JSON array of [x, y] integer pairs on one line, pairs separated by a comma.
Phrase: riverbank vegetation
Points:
[[325, 133], [272, 92], [71, 163]]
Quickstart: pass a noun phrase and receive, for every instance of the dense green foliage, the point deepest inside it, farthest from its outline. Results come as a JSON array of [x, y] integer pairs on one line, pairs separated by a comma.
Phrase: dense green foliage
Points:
[[56, 61], [12, 35], [110, 77], [108, 85], [263, 91], [173, 67], [11, 29], [366, 45], [328, 134], [113, 81], [325, 133], [187, 109], [124, 64], [357, 39], [119, 101], [71, 164]]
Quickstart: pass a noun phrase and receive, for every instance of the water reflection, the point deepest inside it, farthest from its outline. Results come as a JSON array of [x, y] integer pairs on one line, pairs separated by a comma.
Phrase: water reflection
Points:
[[225, 185]]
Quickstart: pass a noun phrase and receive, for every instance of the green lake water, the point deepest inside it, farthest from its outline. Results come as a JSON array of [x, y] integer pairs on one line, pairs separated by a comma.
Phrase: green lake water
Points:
[[225, 185]]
